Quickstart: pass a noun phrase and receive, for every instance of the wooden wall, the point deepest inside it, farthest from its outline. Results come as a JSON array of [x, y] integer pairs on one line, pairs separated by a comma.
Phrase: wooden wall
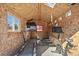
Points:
[[9, 42], [70, 23]]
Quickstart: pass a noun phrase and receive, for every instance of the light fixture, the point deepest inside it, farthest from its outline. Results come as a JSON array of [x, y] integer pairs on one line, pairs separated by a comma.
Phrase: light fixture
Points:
[[50, 4]]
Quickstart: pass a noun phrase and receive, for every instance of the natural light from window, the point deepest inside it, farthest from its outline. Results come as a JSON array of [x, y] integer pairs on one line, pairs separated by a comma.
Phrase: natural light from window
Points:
[[13, 23], [50, 4]]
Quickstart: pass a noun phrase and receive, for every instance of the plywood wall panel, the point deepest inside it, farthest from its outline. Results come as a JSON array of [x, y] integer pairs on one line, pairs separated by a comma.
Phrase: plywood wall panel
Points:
[[45, 12], [26, 11], [9, 42], [70, 24]]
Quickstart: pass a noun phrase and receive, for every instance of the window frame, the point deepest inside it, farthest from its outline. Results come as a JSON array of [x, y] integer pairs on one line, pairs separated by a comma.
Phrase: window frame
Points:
[[13, 23]]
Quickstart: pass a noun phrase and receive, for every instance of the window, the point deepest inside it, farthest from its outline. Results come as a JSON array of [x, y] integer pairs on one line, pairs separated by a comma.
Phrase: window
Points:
[[68, 13], [13, 23], [39, 28], [50, 4]]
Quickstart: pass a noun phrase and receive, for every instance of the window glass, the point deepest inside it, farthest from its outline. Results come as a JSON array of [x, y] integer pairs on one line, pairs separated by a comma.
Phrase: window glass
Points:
[[13, 23], [68, 13]]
